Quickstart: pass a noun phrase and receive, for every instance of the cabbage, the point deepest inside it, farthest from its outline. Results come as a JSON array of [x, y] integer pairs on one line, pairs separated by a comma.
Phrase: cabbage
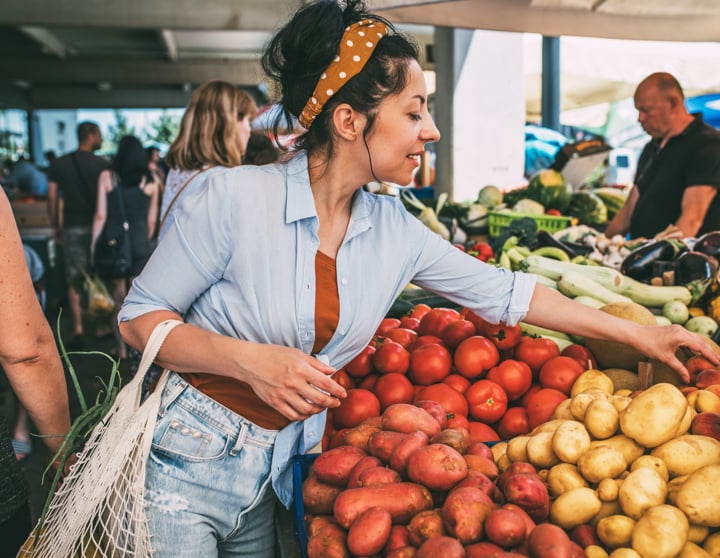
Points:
[[490, 196], [529, 207]]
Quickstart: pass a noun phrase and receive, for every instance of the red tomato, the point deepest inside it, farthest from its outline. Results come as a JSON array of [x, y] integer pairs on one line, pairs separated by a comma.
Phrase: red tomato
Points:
[[368, 382], [474, 356], [344, 379], [560, 373], [359, 405], [419, 310], [393, 388], [453, 402], [514, 422], [487, 401], [541, 405], [457, 382], [528, 394], [429, 364], [406, 337], [479, 322], [514, 376], [458, 421], [385, 325], [456, 332], [504, 336], [435, 321], [361, 365], [391, 357], [408, 322], [535, 351], [481, 432], [428, 340], [582, 354]]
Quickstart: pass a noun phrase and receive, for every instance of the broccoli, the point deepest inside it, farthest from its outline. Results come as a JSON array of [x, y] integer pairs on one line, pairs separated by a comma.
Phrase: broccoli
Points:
[[525, 229]]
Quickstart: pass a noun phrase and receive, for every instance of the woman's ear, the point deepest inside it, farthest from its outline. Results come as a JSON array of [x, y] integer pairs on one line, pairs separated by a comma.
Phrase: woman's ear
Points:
[[348, 123]]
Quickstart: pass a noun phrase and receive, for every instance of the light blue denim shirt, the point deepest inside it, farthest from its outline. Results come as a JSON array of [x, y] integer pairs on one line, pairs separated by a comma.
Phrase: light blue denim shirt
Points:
[[239, 259]]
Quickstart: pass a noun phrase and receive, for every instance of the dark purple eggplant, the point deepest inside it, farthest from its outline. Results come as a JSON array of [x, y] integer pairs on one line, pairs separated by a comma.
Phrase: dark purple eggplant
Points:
[[709, 244], [696, 271], [640, 263]]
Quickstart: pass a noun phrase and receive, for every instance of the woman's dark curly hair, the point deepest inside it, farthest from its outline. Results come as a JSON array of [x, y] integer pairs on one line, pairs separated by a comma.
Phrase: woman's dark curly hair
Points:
[[302, 50], [131, 161]]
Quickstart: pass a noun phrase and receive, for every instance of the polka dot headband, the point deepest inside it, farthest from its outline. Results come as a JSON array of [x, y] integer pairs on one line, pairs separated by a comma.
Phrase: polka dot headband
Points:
[[357, 45]]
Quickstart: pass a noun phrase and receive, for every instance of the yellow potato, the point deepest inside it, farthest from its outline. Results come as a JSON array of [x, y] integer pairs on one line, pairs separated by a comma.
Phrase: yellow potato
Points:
[[562, 411], [564, 477], [579, 404], [686, 454], [592, 379], [570, 441], [652, 462], [630, 449], [652, 418], [691, 550], [607, 509], [601, 419], [673, 488], [595, 551], [602, 462], [698, 496], [549, 426], [712, 545], [608, 489], [620, 401], [498, 450], [641, 490], [540, 450], [575, 507], [698, 533], [625, 553], [615, 530], [661, 532], [516, 448]]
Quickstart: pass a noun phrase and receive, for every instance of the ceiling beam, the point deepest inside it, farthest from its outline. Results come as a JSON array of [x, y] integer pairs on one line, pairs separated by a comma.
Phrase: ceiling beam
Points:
[[250, 15], [167, 38], [47, 40], [72, 97]]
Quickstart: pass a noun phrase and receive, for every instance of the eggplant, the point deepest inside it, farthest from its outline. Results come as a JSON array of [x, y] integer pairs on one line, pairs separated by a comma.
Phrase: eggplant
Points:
[[640, 263], [696, 271], [544, 238], [709, 244]]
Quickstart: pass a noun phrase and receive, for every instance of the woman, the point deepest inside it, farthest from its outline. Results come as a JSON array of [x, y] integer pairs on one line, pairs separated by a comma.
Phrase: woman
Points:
[[130, 174], [213, 135], [30, 359], [287, 270]]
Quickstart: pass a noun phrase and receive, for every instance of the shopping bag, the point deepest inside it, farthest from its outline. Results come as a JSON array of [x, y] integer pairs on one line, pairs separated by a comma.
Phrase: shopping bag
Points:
[[99, 302]]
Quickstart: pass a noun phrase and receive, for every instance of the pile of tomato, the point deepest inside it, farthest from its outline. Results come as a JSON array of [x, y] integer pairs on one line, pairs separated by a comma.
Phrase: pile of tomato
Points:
[[489, 378]]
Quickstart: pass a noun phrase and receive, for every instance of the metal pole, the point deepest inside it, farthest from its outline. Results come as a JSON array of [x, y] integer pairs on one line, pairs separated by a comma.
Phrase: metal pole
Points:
[[551, 82]]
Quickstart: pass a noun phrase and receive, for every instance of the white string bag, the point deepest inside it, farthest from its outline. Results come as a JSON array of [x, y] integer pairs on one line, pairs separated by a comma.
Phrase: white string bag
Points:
[[98, 511]]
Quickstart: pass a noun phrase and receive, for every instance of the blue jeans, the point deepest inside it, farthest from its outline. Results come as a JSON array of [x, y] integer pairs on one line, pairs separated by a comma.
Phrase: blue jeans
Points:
[[207, 487]]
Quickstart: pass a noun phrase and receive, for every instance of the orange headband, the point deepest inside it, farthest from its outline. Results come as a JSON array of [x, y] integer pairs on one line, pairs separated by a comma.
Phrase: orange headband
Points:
[[356, 46]]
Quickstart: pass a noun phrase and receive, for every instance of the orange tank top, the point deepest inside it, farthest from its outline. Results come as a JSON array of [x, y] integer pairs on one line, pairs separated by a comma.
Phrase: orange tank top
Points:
[[238, 396]]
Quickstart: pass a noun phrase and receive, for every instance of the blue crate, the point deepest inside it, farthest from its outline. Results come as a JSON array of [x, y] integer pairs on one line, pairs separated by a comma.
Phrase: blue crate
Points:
[[301, 468]]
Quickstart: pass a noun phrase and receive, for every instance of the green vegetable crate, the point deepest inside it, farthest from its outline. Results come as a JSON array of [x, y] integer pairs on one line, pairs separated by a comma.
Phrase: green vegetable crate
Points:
[[498, 220]]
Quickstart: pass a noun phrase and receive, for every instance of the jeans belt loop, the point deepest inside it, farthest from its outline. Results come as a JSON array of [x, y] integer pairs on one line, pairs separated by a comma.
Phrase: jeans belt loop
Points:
[[176, 392], [240, 442]]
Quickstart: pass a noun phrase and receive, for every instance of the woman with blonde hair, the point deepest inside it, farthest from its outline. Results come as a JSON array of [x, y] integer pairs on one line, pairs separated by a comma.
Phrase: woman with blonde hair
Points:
[[213, 135]]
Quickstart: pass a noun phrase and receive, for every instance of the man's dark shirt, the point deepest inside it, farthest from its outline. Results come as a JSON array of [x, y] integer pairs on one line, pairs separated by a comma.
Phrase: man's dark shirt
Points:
[[691, 158], [79, 191]]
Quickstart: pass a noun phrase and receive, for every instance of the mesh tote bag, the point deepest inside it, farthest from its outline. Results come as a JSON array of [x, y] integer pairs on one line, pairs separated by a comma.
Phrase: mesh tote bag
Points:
[[98, 511]]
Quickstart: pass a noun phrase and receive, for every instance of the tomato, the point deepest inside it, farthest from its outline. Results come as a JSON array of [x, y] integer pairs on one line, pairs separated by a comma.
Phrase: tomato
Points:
[[391, 357], [560, 373], [359, 405], [428, 340], [479, 322], [504, 336], [368, 382], [535, 351], [474, 356], [481, 432], [361, 365], [525, 398], [458, 421], [344, 379], [487, 401], [514, 422], [582, 354], [514, 376], [419, 310], [541, 404], [393, 388], [406, 337], [456, 332], [453, 402], [436, 320], [457, 382], [386, 324], [429, 364], [408, 322]]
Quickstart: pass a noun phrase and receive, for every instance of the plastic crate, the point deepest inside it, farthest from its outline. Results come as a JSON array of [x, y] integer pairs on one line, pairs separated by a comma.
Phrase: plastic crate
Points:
[[301, 468], [498, 220]]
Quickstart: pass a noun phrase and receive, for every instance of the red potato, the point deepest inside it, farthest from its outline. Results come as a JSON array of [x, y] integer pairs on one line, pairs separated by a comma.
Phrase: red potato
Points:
[[402, 452], [318, 522], [365, 463], [319, 497], [464, 513], [399, 537], [375, 476], [482, 465], [479, 448], [382, 444], [585, 535], [447, 547], [334, 466], [359, 436], [403, 552], [577, 551], [505, 528], [369, 533], [425, 525], [456, 438], [403, 500], [476, 479], [529, 492], [407, 418], [329, 542], [437, 466], [529, 523], [484, 550], [435, 409], [549, 541]]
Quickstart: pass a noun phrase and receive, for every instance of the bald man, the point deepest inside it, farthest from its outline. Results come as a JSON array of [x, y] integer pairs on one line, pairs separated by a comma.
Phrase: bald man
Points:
[[678, 172]]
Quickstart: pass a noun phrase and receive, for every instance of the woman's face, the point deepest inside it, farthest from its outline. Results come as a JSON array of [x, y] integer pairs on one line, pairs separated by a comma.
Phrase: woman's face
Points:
[[402, 128], [243, 132]]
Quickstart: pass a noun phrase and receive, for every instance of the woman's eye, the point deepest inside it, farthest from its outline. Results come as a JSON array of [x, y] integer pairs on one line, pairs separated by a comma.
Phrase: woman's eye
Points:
[[416, 117]]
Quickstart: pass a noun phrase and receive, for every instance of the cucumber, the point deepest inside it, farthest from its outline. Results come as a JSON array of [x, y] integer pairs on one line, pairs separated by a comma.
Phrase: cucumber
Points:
[[574, 284], [549, 267]]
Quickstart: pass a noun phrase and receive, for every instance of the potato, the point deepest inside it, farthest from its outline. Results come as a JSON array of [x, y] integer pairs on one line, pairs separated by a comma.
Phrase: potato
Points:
[[539, 450], [375, 476], [652, 418], [601, 419], [516, 448], [505, 528], [333, 466], [563, 477], [562, 411], [661, 532], [402, 452], [382, 443], [528, 491], [592, 379], [498, 450], [319, 497], [328, 542], [607, 509], [624, 553], [447, 547], [575, 507], [549, 541], [615, 530], [651, 462], [629, 448], [452, 437], [365, 463], [608, 489], [673, 489], [481, 465], [402, 552], [424, 525], [359, 436], [403, 500], [549, 426], [602, 462], [369, 532], [641, 490], [712, 545], [595, 551], [436, 466], [698, 533], [407, 418], [686, 454], [464, 512], [698, 496], [691, 550], [579, 404], [620, 401], [570, 441]]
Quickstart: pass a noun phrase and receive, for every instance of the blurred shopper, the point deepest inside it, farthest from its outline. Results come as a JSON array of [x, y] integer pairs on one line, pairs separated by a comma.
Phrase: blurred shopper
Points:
[[260, 150], [129, 173], [213, 135], [74, 177], [678, 173], [28, 179], [155, 165], [30, 359]]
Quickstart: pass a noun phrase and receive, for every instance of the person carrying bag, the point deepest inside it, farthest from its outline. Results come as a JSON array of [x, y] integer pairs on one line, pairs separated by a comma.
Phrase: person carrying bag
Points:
[[112, 254]]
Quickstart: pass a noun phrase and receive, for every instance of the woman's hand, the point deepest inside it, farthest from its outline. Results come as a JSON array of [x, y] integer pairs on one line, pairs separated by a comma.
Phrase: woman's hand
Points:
[[293, 383]]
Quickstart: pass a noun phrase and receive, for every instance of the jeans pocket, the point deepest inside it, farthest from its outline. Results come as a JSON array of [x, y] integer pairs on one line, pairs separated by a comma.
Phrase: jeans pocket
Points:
[[186, 436]]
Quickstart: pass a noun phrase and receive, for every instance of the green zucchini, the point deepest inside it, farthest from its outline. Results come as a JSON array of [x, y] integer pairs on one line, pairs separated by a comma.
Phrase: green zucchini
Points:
[[574, 284], [655, 295], [609, 278]]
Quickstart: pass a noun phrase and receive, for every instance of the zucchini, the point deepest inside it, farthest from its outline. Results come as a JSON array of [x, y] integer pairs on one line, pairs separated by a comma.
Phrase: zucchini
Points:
[[675, 312], [574, 284], [589, 301], [561, 339], [545, 281], [655, 295], [605, 276]]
